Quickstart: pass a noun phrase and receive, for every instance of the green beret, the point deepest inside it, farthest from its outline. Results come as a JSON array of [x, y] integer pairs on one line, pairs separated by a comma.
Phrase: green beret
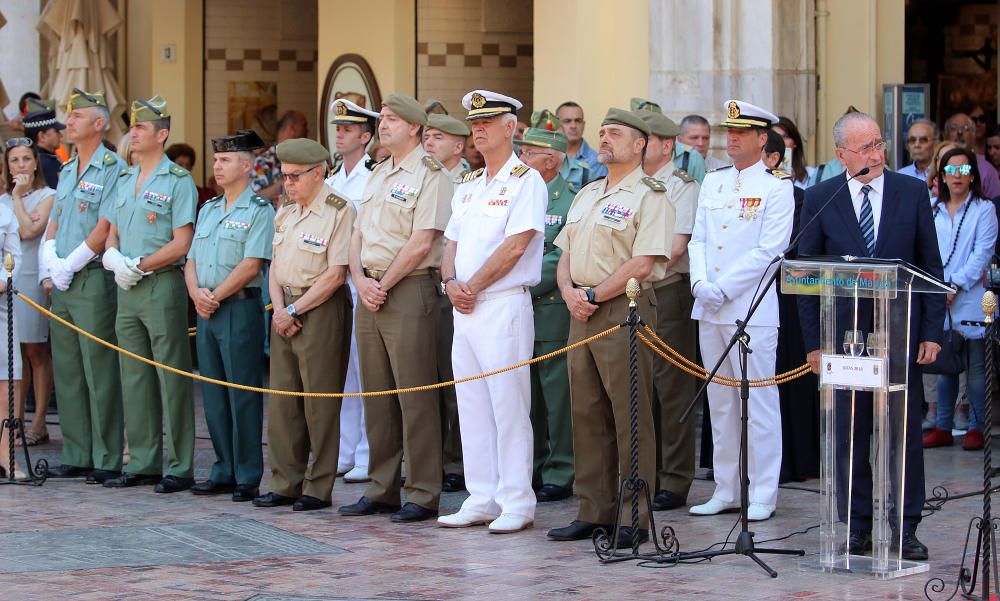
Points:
[[407, 108], [641, 104], [543, 138], [659, 124], [302, 151], [447, 124], [81, 100], [153, 109], [623, 117]]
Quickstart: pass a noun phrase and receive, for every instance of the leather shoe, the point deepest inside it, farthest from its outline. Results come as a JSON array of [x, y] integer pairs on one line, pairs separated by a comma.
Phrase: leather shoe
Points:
[[101, 476], [272, 499], [465, 518], [411, 512], [211, 487], [625, 537], [366, 506], [453, 483], [307, 503], [913, 549], [858, 543], [67, 471], [553, 492], [508, 523], [127, 480], [759, 512], [713, 506], [171, 484], [666, 500], [245, 492], [578, 530]]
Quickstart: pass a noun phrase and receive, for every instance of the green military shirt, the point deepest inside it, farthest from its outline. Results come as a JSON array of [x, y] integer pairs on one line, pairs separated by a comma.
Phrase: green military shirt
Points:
[[690, 160], [574, 172], [82, 199], [551, 315], [146, 219], [224, 237]]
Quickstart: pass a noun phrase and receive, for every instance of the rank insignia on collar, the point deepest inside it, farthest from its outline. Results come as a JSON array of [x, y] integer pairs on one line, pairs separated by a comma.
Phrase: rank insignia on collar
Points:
[[519, 170]]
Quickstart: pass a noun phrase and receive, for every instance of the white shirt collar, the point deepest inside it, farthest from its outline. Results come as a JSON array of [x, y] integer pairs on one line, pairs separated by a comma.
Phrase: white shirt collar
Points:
[[877, 185]]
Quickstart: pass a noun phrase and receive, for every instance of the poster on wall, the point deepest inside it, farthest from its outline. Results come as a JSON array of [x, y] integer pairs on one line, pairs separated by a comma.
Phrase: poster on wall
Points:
[[349, 77], [253, 105]]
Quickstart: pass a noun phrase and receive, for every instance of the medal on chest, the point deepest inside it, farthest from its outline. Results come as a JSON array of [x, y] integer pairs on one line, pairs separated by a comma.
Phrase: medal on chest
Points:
[[151, 217], [82, 206], [313, 240], [89, 187], [615, 212], [499, 202], [403, 192], [231, 224], [749, 209], [553, 220]]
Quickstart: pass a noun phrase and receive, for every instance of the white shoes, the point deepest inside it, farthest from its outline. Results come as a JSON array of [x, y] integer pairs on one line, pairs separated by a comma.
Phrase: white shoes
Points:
[[343, 468], [758, 512], [713, 507], [465, 518], [510, 522], [358, 473]]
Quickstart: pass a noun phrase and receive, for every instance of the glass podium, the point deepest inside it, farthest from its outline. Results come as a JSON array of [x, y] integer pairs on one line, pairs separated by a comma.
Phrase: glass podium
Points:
[[865, 308]]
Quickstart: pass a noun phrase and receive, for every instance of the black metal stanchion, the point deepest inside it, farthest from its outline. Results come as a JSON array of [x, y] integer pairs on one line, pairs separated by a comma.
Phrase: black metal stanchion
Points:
[[606, 543], [982, 573], [13, 424]]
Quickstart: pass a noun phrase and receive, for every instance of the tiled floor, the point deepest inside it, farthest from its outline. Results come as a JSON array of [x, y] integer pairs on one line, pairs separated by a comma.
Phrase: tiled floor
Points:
[[388, 561]]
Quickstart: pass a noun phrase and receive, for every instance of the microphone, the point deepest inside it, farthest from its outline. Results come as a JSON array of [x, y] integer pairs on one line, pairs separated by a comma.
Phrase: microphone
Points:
[[795, 242]]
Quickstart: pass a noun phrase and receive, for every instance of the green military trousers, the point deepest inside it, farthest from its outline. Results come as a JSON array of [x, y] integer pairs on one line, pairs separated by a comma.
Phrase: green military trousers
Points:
[[551, 416]]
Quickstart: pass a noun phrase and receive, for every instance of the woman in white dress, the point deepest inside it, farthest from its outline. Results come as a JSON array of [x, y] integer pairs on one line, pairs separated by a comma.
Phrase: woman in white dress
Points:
[[9, 244], [30, 202]]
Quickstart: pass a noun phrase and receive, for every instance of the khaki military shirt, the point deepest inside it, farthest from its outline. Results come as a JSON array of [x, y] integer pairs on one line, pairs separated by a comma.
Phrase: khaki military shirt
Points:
[[682, 191], [607, 227], [310, 240], [398, 200]]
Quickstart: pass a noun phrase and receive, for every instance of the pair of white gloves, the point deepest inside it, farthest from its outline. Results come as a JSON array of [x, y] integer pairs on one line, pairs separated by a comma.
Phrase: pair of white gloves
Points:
[[127, 272], [709, 295], [61, 271]]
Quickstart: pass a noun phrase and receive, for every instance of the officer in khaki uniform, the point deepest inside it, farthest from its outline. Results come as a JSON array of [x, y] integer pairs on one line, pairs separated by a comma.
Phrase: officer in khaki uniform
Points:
[[674, 388], [544, 149], [618, 228], [232, 243], [395, 254], [310, 331], [151, 229]]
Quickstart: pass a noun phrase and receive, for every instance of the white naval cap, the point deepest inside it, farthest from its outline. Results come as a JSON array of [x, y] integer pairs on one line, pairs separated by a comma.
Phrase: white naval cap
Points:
[[346, 112], [742, 114], [484, 103]]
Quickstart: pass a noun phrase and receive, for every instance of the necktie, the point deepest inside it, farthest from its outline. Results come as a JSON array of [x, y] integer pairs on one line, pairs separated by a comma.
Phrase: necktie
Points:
[[867, 221]]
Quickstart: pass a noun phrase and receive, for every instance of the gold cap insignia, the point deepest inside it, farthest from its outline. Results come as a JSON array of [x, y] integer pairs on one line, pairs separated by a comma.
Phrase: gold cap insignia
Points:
[[734, 110], [478, 100], [341, 109]]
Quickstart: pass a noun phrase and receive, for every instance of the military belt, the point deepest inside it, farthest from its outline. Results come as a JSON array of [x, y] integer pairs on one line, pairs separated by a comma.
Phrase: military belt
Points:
[[241, 294], [378, 274], [293, 291], [671, 278]]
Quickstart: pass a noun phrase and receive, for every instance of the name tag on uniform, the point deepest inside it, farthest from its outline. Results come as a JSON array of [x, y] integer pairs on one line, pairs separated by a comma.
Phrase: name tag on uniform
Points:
[[89, 187], [553, 220], [313, 240], [500, 202], [403, 192], [156, 198], [230, 224], [616, 212], [749, 209]]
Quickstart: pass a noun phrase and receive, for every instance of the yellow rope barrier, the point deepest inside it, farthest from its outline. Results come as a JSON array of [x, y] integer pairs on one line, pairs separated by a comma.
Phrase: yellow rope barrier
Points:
[[270, 391]]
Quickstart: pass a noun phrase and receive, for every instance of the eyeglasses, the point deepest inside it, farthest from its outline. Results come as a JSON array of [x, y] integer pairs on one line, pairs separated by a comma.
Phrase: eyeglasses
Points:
[[957, 127], [868, 148], [978, 118], [918, 140], [957, 169], [527, 154], [293, 178], [14, 142]]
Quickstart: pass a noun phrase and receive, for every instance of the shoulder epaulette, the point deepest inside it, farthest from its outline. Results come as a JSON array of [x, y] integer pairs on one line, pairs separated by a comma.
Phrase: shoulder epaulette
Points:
[[519, 170], [126, 171], [654, 184], [432, 163], [720, 168], [73, 158], [110, 158], [778, 173], [572, 187], [683, 176], [337, 169], [287, 201], [260, 200], [372, 163], [335, 201], [178, 170], [473, 175], [219, 197]]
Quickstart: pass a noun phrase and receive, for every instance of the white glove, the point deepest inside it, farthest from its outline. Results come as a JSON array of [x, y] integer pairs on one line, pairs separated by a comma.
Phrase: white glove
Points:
[[46, 256], [79, 258], [113, 260], [125, 275], [711, 296], [61, 279]]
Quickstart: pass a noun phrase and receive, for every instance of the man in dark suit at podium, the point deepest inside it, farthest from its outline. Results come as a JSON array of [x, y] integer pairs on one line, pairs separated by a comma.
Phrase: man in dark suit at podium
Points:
[[886, 215]]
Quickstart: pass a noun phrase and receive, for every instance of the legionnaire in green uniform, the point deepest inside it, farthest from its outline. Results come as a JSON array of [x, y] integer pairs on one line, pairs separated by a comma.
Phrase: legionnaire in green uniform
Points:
[[152, 224], [310, 332], [232, 243], [686, 158], [86, 373], [575, 173], [551, 418]]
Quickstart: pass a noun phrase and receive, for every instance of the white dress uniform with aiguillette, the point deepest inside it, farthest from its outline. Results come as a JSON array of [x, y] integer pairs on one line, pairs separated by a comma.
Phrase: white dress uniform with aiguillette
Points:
[[744, 220]]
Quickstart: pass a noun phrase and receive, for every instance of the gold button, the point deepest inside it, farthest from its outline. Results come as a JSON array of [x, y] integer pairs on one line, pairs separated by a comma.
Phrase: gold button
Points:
[[717, 269], [725, 226], [720, 247]]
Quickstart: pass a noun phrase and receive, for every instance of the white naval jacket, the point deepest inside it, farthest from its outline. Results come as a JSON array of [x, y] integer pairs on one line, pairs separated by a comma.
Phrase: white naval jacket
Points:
[[744, 220]]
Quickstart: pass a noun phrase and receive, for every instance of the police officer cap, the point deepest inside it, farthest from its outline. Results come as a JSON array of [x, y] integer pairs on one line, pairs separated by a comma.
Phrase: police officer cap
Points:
[[545, 119], [244, 140], [302, 151], [659, 124], [543, 138], [623, 117], [743, 115], [447, 124], [407, 108], [346, 112], [81, 100], [642, 104], [41, 120], [483, 104], [153, 109]]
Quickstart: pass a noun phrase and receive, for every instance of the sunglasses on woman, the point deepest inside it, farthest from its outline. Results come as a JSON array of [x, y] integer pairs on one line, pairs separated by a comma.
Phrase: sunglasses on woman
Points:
[[957, 169], [14, 142]]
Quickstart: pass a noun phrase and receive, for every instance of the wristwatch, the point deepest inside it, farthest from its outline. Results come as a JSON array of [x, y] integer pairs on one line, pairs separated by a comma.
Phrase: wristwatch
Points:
[[444, 285], [291, 311], [590, 297]]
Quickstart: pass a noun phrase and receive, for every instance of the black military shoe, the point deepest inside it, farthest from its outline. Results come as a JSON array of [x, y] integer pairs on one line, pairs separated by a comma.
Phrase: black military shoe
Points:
[[211, 487], [127, 480], [625, 536], [453, 483], [553, 492], [245, 492], [666, 500], [578, 530], [273, 499], [913, 549], [67, 471], [858, 543], [411, 512], [307, 503], [366, 506], [171, 484], [101, 476]]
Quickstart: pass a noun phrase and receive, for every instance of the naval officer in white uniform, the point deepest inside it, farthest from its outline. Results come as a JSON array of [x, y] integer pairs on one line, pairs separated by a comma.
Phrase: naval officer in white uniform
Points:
[[744, 220]]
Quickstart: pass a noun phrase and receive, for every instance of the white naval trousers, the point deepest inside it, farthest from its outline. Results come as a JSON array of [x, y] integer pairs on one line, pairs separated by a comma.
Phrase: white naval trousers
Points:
[[494, 412], [764, 428], [353, 437]]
